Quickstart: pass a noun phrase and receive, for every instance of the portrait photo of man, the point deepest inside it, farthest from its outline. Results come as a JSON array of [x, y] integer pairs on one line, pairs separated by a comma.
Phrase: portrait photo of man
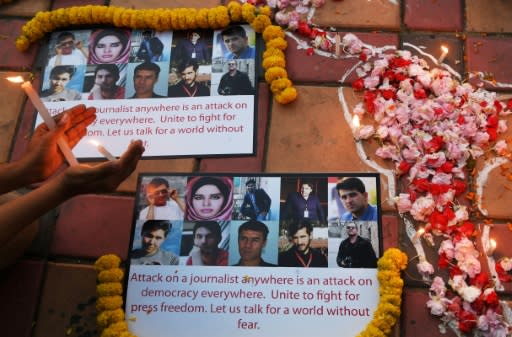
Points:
[[236, 42], [164, 201], [188, 85], [304, 203], [301, 253], [207, 236], [355, 251], [145, 78], [234, 81], [106, 77], [354, 197], [69, 50], [252, 241], [256, 204], [153, 234]]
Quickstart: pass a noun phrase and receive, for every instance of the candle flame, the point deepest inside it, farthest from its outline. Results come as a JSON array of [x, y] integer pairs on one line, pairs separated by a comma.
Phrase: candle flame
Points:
[[15, 79], [493, 243], [421, 231], [444, 49], [94, 142], [355, 121]]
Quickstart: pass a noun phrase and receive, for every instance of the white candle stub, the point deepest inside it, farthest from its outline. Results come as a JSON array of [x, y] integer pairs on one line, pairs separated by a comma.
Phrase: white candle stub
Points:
[[444, 52], [491, 248], [45, 115], [356, 125], [102, 150]]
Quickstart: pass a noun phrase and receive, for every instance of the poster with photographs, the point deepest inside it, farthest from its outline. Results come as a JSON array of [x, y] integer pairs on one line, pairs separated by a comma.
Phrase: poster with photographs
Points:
[[195, 88], [268, 255]]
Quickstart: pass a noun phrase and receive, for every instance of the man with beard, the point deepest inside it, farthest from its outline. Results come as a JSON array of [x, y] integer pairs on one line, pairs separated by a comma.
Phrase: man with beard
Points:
[[154, 233], [188, 87], [301, 254], [207, 236], [235, 82], [355, 251], [105, 79], [164, 202]]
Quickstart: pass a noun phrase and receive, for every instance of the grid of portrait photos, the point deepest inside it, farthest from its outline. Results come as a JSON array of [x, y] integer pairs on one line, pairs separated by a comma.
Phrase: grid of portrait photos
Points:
[[292, 220], [112, 63]]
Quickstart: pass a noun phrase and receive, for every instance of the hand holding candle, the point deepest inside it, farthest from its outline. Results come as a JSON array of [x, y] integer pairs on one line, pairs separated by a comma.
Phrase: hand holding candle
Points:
[[103, 150], [45, 115]]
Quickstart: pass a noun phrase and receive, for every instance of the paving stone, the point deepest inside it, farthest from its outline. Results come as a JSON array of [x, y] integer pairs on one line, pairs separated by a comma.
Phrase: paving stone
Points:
[[490, 56], [245, 164], [488, 16], [321, 69], [68, 302], [168, 4], [69, 3], [93, 225], [443, 15], [432, 45], [9, 55], [497, 188], [24, 8], [13, 96], [19, 289], [359, 14], [389, 231], [317, 137], [416, 318]]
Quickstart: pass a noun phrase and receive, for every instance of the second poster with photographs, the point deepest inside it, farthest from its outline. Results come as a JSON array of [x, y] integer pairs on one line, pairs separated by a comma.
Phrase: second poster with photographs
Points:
[[307, 221]]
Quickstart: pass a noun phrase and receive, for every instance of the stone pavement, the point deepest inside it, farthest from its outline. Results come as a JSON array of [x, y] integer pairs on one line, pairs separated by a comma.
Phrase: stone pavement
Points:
[[51, 291]]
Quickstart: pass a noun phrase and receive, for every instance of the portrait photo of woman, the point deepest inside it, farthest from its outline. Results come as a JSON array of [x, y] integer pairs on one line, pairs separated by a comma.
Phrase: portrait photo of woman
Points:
[[209, 198], [109, 46]]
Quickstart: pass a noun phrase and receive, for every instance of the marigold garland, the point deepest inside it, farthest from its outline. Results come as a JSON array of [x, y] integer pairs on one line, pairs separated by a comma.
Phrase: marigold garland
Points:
[[174, 19]]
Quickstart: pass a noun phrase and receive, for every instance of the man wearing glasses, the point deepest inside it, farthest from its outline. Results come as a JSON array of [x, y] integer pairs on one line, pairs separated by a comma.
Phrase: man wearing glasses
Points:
[[354, 197], [68, 51], [235, 82], [355, 251], [164, 202]]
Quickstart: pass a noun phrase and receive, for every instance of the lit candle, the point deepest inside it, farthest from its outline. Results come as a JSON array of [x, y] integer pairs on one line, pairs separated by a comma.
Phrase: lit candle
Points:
[[443, 54], [102, 150], [418, 234], [491, 247], [47, 118], [355, 126]]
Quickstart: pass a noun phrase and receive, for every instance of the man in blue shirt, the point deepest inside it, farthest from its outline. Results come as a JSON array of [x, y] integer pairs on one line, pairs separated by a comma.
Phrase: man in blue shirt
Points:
[[354, 197], [236, 41]]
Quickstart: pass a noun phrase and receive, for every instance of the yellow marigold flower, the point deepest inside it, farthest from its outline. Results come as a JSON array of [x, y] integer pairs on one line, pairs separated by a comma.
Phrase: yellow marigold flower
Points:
[[272, 32], [107, 317], [265, 10], [182, 18], [279, 85], [165, 19], [273, 52], [260, 23], [109, 289], [108, 16], [235, 11], [212, 18], [22, 43], [117, 17], [223, 19], [115, 330], [248, 12], [202, 18], [371, 331], [109, 302], [191, 18], [288, 95], [111, 275], [392, 299], [273, 61], [108, 261], [279, 43], [275, 73]]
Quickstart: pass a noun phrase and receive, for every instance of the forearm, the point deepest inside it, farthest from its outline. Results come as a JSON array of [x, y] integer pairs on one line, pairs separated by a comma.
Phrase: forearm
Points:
[[14, 175], [16, 214]]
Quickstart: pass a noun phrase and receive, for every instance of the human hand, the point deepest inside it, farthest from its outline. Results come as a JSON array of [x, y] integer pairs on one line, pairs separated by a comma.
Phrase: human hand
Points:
[[43, 157], [79, 44], [173, 193], [101, 178]]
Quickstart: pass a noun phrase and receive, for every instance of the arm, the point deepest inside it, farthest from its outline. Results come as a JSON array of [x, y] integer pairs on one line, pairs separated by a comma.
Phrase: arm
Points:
[[43, 158], [75, 180], [173, 193], [80, 46]]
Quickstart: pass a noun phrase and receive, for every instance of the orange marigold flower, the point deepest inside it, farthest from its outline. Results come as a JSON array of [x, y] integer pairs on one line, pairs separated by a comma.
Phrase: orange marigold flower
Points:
[[235, 11], [108, 261], [279, 85], [272, 32], [260, 23], [273, 61], [288, 95], [111, 275], [109, 289], [279, 43], [275, 73]]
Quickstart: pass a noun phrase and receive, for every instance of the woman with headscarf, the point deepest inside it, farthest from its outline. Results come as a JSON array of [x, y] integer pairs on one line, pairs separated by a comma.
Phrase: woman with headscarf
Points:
[[209, 198], [109, 46]]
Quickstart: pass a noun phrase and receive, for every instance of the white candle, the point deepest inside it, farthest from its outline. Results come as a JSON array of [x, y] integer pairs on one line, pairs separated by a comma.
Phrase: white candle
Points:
[[103, 150], [491, 247], [356, 125], [443, 54], [47, 118]]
